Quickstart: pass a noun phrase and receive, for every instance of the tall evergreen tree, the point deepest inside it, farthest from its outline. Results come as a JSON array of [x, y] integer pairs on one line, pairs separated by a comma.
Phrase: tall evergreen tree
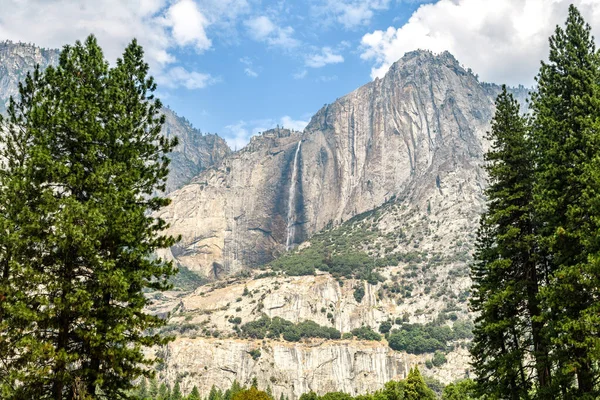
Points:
[[195, 394], [504, 274], [566, 110], [82, 158], [415, 387]]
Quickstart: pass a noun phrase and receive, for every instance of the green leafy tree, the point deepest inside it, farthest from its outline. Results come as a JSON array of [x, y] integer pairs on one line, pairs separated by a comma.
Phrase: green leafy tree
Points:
[[251, 394], [504, 272], [82, 158], [460, 390], [566, 110]]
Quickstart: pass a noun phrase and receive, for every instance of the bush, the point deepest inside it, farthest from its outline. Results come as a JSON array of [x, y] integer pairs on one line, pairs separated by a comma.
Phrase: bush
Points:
[[385, 327], [359, 292], [419, 339], [278, 327], [366, 333], [439, 358], [255, 354]]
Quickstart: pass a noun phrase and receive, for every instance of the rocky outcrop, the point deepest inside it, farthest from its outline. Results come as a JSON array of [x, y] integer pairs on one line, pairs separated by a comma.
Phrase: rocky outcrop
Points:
[[16, 60], [417, 136], [196, 151], [289, 368], [352, 366]]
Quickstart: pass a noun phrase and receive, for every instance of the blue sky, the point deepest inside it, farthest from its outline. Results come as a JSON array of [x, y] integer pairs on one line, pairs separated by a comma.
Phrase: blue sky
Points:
[[238, 67], [258, 83]]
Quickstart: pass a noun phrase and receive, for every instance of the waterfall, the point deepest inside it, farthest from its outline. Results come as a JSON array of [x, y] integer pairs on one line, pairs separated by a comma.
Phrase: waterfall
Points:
[[291, 223]]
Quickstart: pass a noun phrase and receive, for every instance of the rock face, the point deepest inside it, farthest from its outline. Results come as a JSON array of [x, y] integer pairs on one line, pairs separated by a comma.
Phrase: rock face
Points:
[[196, 151], [236, 215], [323, 366], [16, 59], [416, 135], [288, 368]]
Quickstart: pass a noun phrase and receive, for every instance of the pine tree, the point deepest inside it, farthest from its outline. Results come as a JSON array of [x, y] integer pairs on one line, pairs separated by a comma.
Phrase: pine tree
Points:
[[415, 387], [194, 394], [177, 395], [504, 274], [566, 130], [216, 394], [82, 157]]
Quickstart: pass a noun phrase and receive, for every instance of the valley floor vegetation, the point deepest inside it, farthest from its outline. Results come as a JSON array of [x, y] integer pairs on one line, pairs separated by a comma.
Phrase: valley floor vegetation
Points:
[[536, 275], [414, 387]]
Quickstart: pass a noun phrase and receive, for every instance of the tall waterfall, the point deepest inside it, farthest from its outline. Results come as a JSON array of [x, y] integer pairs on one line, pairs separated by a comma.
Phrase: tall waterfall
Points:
[[291, 223]]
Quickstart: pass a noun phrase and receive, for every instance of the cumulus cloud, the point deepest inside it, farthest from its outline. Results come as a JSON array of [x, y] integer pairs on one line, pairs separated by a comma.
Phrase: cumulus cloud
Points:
[[160, 26], [501, 40], [188, 25], [294, 124], [326, 56], [263, 29], [349, 13]]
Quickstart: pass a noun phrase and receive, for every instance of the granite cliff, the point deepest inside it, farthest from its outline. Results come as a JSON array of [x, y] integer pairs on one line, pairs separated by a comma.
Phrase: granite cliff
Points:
[[416, 136], [196, 151]]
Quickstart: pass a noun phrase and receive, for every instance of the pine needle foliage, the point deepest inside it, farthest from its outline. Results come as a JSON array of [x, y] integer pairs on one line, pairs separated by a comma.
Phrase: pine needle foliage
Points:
[[81, 159]]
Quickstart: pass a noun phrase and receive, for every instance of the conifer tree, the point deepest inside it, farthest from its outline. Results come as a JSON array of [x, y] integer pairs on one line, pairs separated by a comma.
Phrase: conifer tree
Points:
[[566, 129], [82, 157], [415, 387], [177, 395], [194, 394], [504, 274]]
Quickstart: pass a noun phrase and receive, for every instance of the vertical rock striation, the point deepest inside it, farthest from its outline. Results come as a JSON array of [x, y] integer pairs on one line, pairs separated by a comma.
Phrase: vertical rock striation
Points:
[[417, 135]]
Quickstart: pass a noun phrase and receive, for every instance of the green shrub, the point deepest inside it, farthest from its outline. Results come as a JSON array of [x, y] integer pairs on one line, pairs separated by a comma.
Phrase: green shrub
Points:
[[255, 354], [439, 358], [278, 327], [366, 333], [385, 327], [359, 293]]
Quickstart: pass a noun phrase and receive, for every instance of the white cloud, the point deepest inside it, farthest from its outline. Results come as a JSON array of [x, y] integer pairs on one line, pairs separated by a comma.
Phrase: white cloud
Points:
[[179, 76], [300, 74], [238, 134], [501, 40], [188, 25], [263, 29], [327, 56], [325, 78], [349, 13], [295, 124], [161, 26], [250, 72]]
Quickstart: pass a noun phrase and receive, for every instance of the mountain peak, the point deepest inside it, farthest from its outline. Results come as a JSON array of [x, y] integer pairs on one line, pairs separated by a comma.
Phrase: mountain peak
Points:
[[421, 58]]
